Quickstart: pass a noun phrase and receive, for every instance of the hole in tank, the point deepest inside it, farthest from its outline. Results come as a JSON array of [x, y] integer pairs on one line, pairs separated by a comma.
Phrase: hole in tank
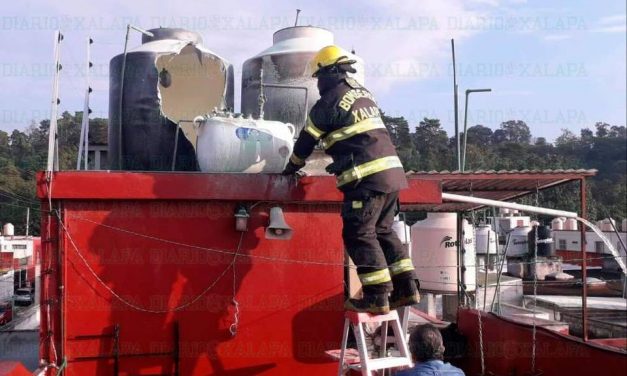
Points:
[[191, 83]]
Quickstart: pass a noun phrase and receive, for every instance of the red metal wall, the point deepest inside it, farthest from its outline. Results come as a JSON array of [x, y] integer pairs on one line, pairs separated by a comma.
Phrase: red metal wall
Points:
[[289, 313], [574, 257], [508, 348], [159, 240]]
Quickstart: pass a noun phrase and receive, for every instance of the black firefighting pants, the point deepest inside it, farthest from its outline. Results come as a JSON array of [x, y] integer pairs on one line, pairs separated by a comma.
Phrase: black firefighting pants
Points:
[[370, 241]]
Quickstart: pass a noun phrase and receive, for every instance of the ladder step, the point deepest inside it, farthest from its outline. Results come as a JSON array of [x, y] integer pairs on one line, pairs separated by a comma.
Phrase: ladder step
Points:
[[383, 363]]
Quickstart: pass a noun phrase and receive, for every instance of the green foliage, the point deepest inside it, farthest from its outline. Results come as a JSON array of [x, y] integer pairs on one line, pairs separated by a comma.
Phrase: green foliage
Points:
[[512, 147], [22, 154], [427, 148]]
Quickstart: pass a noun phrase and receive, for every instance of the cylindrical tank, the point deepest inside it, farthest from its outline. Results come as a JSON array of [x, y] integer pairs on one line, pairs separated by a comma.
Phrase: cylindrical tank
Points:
[[570, 224], [8, 229], [518, 242], [236, 144], [402, 230], [434, 253], [485, 240], [284, 64], [545, 241], [557, 223], [608, 225], [169, 79]]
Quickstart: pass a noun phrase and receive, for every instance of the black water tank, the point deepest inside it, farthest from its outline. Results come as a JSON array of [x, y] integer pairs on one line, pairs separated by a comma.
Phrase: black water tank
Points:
[[144, 138], [545, 241]]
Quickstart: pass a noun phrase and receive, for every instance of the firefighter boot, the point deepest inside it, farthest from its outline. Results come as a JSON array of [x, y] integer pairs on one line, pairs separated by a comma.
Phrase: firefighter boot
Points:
[[405, 293], [376, 304]]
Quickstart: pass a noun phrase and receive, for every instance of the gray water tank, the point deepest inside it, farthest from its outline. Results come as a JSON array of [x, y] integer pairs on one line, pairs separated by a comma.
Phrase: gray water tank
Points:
[[170, 78], [284, 63]]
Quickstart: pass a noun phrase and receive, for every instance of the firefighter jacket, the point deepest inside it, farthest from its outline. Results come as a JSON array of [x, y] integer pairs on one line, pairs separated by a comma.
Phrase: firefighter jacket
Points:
[[347, 124]]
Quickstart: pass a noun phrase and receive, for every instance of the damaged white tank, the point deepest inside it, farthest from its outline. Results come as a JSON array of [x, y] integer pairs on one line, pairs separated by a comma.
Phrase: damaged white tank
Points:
[[164, 83], [288, 93], [236, 144]]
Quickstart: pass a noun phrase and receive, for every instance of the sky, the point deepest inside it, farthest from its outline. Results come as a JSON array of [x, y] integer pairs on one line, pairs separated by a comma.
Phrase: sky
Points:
[[553, 64]]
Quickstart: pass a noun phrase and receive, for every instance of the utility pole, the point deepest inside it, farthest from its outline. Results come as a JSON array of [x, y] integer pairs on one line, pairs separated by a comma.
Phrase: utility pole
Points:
[[27, 219]]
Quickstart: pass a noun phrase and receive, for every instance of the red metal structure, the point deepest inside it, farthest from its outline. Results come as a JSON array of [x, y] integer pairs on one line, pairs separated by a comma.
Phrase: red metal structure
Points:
[[144, 273], [507, 348]]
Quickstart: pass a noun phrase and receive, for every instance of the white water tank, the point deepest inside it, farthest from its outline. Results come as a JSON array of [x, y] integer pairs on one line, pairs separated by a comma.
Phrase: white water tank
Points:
[[8, 229], [434, 253], [557, 224], [402, 230], [570, 224], [606, 225], [518, 242], [485, 240]]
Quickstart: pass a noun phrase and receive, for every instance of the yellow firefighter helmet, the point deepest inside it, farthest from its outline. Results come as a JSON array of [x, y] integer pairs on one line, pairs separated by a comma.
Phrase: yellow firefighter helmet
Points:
[[327, 57]]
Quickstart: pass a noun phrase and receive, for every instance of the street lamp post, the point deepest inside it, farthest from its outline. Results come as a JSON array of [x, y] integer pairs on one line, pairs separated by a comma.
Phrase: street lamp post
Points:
[[463, 161]]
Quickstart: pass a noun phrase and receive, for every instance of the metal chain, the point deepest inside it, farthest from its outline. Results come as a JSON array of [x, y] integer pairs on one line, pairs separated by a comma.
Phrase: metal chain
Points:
[[234, 325], [535, 291], [479, 319], [479, 313]]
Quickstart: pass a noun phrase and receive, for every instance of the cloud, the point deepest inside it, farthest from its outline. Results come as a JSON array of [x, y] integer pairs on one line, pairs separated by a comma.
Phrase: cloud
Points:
[[611, 24], [396, 35], [610, 29], [617, 18], [556, 37]]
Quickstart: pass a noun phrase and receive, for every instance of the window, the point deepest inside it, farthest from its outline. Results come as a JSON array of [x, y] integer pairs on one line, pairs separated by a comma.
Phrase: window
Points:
[[562, 244], [19, 246], [599, 247]]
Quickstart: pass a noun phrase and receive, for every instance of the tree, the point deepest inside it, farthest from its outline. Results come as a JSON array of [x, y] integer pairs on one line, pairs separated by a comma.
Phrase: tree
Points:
[[432, 145], [398, 127], [479, 135], [516, 131]]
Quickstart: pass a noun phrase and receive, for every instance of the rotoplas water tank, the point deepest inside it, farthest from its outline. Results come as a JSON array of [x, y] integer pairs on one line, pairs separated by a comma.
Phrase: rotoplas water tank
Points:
[[543, 241], [557, 223], [607, 225], [571, 224], [284, 63], [8, 229], [518, 242], [434, 253], [169, 79], [485, 240]]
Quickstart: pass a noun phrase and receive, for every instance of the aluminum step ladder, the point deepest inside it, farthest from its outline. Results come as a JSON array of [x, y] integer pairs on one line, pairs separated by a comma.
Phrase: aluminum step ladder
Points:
[[367, 365]]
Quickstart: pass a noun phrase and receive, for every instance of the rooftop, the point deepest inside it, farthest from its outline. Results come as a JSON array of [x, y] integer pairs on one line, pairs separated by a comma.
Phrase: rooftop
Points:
[[495, 185]]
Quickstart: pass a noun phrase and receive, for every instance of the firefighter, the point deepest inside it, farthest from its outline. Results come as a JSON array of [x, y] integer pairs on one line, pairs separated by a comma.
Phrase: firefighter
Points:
[[347, 124]]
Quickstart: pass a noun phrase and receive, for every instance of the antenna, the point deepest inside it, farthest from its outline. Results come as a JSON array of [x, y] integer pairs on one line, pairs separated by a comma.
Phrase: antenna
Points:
[[297, 13]]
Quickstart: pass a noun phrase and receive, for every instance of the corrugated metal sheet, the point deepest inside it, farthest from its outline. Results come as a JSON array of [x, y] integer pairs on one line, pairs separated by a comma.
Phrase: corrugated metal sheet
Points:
[[495, 185]]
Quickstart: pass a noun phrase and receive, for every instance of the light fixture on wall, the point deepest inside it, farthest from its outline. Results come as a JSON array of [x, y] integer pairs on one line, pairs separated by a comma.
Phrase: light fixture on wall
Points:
[[241, 218]]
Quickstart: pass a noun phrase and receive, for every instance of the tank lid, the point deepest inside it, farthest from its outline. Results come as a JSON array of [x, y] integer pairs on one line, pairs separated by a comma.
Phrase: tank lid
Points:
[[172, 33], [302, 32]]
